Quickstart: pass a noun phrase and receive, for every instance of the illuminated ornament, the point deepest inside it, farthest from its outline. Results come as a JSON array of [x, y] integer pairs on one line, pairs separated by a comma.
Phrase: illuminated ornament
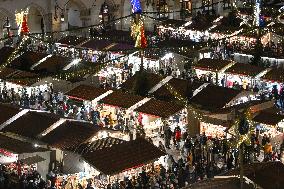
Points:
[[138, 34], [136, 6], [24, 28]]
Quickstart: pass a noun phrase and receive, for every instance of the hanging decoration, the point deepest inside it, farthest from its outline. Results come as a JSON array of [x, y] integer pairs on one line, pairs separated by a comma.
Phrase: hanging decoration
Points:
[[24, 28], [20, 19], [137, 27], [243, 129], [136, 6], [138, 34]]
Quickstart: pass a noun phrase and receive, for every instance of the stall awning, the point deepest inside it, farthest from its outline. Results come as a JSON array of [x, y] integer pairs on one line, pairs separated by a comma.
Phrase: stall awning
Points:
[[267, 175], [160, 108], [86, 92], [274, 75], [214, 98], [32, 160], [18, 146], [245, 69], [268, 118], [121, 99], [214, 65], [121, 157]]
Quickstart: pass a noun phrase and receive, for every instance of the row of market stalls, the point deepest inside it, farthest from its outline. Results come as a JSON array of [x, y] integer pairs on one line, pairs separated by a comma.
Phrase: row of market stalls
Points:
[[43, 141], [216, 104], [238, 75]]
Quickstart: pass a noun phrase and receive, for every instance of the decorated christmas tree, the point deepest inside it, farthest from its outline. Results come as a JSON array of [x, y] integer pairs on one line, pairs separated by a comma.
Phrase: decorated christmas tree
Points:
[[24, 28]]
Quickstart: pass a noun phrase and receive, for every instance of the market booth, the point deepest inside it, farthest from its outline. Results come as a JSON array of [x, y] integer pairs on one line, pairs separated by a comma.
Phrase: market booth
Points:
[[151, 79], [210, 69], [211, 102], [270, 123], [273, 78], [183, 87], [154, 114], [243, 75], [118, 107], [22, 157], [9, 79], [127, 159], [106, 160], [87, 95]]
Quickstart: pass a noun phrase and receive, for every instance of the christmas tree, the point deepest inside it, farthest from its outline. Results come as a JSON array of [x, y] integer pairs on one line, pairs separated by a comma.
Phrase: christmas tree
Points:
[[24, 28]]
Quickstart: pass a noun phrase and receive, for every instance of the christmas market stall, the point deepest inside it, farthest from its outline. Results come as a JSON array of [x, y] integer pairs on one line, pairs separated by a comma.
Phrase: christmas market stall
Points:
[[30, 124], [184, 88], [116, 110], [273, 79], [209, 103], [126, 159], [69, 46], [155, 115], [150, 79], [11, 80], [210, 69], [87, 95], [9, 111], [270, 123], [242, 76], [262, 174], [23, 157], [92, 49]]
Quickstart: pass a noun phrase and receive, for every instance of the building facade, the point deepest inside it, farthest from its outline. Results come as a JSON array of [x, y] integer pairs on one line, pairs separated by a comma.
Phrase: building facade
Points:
[[60, 15]]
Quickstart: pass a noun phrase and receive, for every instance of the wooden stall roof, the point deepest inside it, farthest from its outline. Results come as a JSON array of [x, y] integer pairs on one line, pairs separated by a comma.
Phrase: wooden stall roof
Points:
[[31, 124], [121, 99], [15, 76], [245, 69], [268, 175], [53, 64], [7, 112], [121, 47], [275, 74], [121, 157], [6, 72], [97, 44], [17, 146], [152, 80], [99, 144], [219, 183], [86, 92], [32, 160], [184, 87], [27, 60], [72, 40], [212, 64], [5, 53], [214, 97], [160, 108], [70, 134], [268, 118]]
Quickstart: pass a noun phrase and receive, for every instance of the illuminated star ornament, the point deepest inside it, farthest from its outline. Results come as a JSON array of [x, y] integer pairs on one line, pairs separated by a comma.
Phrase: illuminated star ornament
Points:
[[136, 6]]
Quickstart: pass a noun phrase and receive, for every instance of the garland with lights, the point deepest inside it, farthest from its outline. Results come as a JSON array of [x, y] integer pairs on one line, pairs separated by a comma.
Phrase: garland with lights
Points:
[[242, 129]]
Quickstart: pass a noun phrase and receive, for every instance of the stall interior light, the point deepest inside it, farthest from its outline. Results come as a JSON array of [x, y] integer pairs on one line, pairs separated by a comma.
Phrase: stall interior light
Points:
[[168, 56]]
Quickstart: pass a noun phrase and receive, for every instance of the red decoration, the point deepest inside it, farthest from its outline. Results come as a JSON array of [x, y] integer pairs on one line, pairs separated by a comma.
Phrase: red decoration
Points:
[[24, 28], [143, 38]]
